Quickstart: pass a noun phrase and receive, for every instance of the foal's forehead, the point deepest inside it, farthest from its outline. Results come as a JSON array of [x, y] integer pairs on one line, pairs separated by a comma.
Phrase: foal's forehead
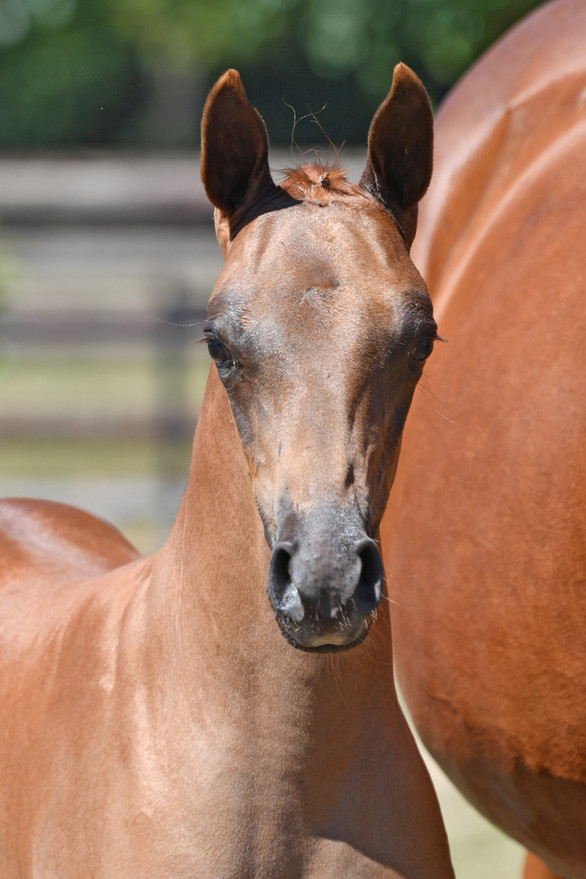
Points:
[[336, 238]]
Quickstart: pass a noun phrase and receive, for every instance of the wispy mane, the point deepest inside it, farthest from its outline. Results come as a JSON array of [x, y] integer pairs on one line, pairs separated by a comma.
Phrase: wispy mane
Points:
[[317, 181]]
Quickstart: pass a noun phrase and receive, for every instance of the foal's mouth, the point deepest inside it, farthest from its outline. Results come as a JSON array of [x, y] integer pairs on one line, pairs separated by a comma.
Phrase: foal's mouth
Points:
[[313, 638]]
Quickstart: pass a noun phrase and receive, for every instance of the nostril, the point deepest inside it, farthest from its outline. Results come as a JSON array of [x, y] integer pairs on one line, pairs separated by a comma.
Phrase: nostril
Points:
[[283, 594], [280, 562], [370, 582]]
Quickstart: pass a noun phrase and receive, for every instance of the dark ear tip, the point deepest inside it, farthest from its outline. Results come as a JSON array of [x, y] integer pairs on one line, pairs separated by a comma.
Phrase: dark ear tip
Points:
[[402, 71], [231, 78], [404, 77], [229, 81]]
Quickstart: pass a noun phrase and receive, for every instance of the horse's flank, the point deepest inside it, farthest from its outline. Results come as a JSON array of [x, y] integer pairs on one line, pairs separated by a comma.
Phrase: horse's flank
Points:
[[488, 551]]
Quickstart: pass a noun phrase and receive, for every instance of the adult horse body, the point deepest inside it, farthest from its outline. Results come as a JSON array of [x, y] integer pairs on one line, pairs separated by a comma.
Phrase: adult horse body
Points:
[[485, 551], [153, 720]]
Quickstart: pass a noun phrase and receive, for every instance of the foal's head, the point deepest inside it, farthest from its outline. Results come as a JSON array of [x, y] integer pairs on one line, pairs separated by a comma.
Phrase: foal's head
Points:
[[319, 326]]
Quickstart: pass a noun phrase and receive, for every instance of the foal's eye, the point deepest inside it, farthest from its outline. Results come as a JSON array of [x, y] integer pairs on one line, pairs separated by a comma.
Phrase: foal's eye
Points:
[[218, 351], [422, 350], [220, 354]]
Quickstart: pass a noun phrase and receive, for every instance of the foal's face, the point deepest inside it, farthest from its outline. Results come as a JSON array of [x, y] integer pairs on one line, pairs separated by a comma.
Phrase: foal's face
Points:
[[319, 325]]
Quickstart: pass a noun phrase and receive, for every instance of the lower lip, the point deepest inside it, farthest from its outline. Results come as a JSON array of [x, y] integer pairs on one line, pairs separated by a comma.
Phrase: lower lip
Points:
[[324, 644]]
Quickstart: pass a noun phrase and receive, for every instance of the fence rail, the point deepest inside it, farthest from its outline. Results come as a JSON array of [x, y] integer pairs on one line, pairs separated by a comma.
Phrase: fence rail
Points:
[[104, 261]]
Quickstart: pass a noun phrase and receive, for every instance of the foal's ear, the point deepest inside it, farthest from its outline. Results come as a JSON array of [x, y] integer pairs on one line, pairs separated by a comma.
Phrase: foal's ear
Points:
[[234, 154], [400, 149]]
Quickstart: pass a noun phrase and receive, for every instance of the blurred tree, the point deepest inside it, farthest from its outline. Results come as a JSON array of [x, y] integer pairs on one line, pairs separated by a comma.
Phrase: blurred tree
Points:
[[65, 76], [98, 71]]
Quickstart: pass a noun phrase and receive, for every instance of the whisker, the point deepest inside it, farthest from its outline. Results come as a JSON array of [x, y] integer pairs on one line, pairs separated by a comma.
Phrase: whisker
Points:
[[170, 323], [427, 392], [392, 601]]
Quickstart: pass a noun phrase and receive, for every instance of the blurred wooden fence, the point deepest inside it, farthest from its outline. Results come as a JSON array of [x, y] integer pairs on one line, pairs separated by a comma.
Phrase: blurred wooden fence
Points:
[[104, 257]]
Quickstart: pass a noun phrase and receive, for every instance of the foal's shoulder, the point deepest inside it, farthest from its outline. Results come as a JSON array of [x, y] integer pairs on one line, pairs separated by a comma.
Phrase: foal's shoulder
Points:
[[37, 533]]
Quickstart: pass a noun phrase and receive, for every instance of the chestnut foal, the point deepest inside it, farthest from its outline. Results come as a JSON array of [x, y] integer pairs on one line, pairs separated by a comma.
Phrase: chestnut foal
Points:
[[155, 722]]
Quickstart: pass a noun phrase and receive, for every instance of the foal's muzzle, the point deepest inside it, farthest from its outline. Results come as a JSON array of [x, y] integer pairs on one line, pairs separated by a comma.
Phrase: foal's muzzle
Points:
[[325, 598]]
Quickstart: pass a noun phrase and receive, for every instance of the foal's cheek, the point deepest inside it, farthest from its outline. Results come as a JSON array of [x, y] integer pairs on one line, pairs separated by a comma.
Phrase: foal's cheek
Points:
[[384, 459], [262, 476], [383, 477], [244, 424]]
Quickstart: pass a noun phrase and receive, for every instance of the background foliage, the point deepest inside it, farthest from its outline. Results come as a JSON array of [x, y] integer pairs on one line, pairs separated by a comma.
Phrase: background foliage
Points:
[[135, 72]]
